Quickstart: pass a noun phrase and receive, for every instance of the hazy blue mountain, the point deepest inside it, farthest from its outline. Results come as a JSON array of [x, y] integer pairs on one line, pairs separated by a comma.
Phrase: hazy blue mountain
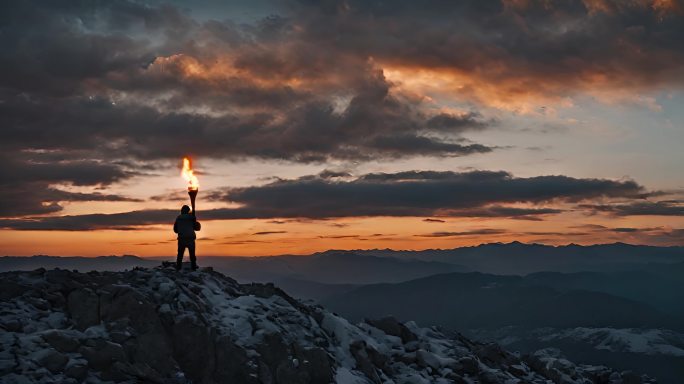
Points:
[[545, 310], [373, 266], [520, 259], [325, 268], [659, 285], [310, 290], [476, 300]]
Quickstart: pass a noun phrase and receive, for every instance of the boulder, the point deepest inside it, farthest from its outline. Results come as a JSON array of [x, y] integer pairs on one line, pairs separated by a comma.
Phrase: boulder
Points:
[[392, 326], [493, 353], [517, 370], [232, 363], [273, 351], [141, 373], [83, 305], [469, 365], [193, 347], [61, 340], [133, 321], [76, 369], [124, 302], [491, 377], [10, 289], [12, 325], [7, 365], [56, 299], [629, 377], [103, 354], [118, 372], [316, 362], [287, 372], [363, 361], [62, 278], [53, 360], [427, 359]]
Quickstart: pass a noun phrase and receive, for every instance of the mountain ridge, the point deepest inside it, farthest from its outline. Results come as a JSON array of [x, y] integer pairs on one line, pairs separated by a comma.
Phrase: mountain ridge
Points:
[[159, 325]]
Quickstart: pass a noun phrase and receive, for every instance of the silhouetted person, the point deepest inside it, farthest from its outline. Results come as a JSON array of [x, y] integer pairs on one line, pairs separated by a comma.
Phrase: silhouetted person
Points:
[[185, 226]]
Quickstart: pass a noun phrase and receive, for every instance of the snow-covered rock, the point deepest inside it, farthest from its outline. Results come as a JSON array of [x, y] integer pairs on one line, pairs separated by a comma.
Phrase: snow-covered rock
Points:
[[646, 341], [162, 326]]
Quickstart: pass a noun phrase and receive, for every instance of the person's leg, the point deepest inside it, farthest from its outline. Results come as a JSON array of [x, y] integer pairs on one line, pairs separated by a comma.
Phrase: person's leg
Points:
[[191, 251], [179, 258]]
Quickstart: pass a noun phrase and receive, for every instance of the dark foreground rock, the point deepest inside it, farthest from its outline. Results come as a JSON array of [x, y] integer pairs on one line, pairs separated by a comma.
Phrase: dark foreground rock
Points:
[[161, 326]]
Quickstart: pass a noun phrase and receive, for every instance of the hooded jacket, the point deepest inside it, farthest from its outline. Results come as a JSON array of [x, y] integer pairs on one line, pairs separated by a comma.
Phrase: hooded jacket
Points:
[[185, 226]]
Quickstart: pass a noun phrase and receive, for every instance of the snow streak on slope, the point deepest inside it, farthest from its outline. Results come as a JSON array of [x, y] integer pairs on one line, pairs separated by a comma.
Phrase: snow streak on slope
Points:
[[648, 341]]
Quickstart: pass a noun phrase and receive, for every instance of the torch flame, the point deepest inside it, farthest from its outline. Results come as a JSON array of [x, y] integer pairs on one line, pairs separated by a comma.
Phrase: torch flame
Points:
[[193, 183]]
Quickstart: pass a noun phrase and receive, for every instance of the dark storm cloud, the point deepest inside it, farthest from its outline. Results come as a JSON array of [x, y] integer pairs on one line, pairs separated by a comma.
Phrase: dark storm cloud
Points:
[[625, 230], [534, 214], [475, 232], [26, 182], [452, 122], [118, 221], [441, 194], [27, 167], [639, 208], [37, 198], [330, 174], [374, 125], [54, 47], [562, 234], [532, 46], [268, 233], [339, 237], [648, 235], [423, 194], [106, 84], [117, 57]]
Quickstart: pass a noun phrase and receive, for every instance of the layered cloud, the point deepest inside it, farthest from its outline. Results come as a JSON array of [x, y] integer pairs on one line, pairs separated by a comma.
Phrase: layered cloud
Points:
[[91, 90], [30, 182], [640, 208], [404, 194]]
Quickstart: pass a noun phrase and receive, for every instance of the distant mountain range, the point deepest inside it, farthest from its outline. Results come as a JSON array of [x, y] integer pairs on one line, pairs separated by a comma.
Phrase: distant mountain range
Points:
[[386, 265], [520, 259], [476, 300], [331, 267], [324, 268]]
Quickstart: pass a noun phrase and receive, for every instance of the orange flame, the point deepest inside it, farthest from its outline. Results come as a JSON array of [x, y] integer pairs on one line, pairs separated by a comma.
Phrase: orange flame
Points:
[[187, 174]]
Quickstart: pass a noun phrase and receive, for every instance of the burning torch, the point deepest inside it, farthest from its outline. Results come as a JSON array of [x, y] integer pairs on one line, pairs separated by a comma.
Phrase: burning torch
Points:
[[193, 183]]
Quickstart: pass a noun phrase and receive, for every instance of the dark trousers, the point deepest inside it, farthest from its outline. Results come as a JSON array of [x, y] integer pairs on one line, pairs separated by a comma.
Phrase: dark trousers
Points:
[[190, 245]]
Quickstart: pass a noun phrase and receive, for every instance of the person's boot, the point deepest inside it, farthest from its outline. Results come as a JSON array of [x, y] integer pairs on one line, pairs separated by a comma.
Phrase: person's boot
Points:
[[178, 266], [194, 267]]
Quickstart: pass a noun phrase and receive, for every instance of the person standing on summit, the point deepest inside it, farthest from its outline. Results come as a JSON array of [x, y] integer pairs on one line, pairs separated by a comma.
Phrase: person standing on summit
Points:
[[185, 226]]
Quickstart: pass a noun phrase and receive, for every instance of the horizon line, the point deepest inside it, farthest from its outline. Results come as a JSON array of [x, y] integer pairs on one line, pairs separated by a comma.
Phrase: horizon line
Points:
[[515, 242]]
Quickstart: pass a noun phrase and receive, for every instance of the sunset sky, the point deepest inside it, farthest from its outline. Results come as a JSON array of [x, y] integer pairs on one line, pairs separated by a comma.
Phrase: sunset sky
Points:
[[340, 124]]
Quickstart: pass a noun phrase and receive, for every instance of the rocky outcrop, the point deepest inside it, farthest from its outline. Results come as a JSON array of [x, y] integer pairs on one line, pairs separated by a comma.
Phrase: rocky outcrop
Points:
[[162, 326]]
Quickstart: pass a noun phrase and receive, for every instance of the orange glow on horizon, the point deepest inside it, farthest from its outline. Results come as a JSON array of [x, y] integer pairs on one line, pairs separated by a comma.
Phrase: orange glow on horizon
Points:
[[261, 237]]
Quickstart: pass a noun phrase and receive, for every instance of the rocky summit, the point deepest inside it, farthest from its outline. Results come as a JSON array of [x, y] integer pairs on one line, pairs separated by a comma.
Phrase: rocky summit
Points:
[[156, 325]]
